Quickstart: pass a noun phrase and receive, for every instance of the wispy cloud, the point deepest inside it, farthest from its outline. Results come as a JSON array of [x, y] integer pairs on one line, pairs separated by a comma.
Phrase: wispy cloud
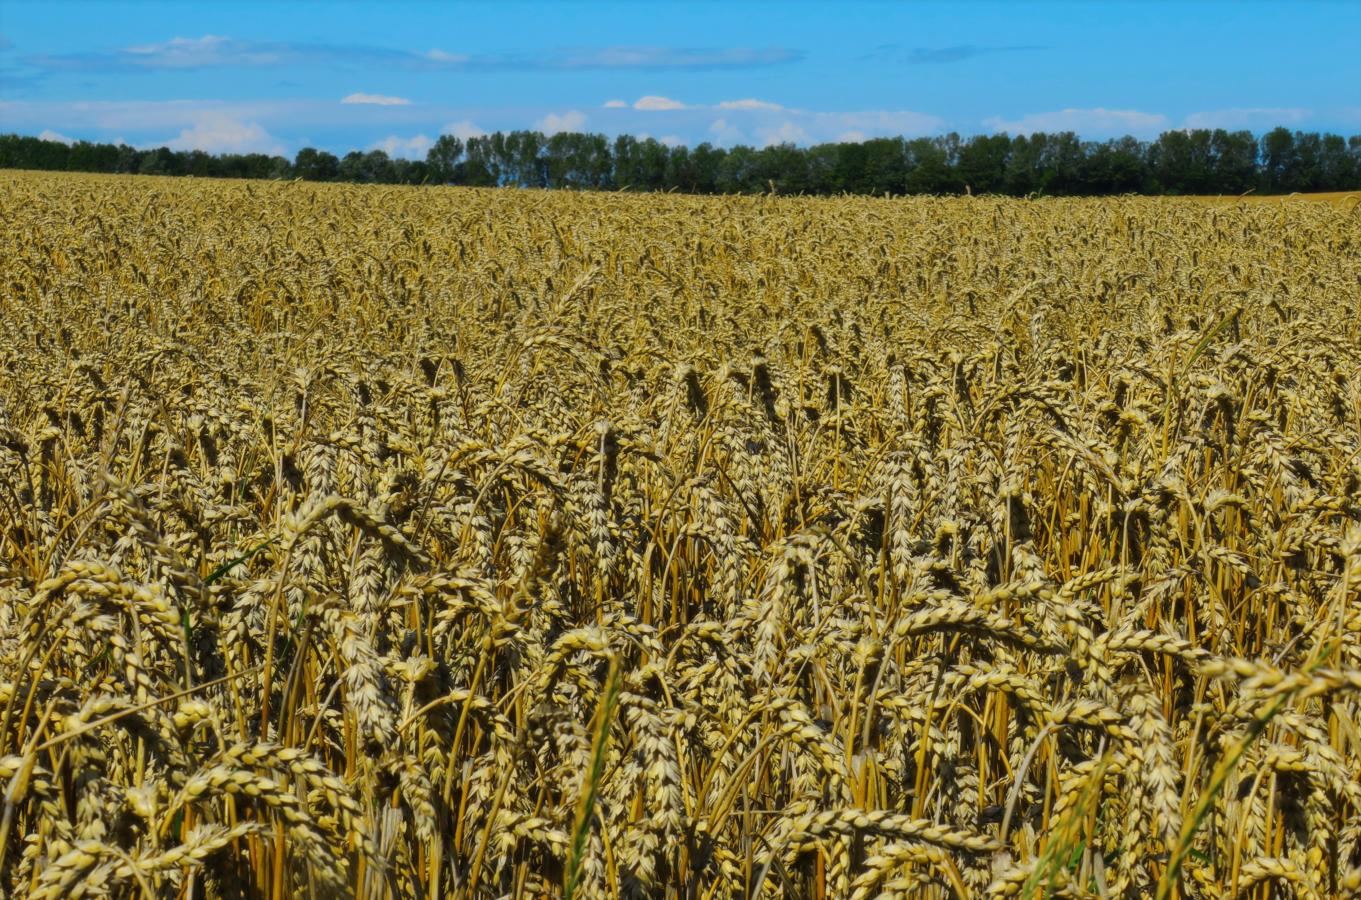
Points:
[[16, 81], [725, 132], [408, 130], [47, 134], [1095, 122], [407, 148], [828, 126], [375, 100], [16, 78], [572, 120], [211, 49], [463, 129], [615, 104], [773, 124], [922, 56], [208, 51], [217, 133], [763, 122], [750, 103], [654, 57], [787, 132], [150, 115], [1248, 117], [654, 103], [218, 51], [453, 59]]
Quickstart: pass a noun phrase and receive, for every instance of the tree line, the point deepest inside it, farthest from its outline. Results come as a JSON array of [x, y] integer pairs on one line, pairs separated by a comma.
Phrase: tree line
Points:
[[1196, 161]]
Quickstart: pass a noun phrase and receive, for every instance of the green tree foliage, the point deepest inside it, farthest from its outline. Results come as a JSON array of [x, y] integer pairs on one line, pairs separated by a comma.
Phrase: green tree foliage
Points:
[[1198, 161], [444, 158], [315, 165]]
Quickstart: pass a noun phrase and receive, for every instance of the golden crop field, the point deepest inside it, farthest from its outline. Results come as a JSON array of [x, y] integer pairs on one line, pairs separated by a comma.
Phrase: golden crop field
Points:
[[406, 542]]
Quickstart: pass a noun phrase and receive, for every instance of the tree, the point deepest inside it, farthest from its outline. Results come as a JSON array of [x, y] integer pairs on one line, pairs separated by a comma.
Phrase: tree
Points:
[[410, 171], [627, 171], [351, 167], [1183, 162], [198, 163], [680, 170], [480, 166], [128, 159], [1025, 173], [1115, 167], [1177, 162], [885, 166], [652, 159], [1235, 161], [706, 161], [88, 157], [1336, 166], [736, 172], [161, 161], [782, 168], [1278, 160], [373, 167], [280, 169], [928, 169], [982, 163], [875, 166], [578, 160], [316, 165], [523, 159], [1308, 170], [443, 159], [378, 168]]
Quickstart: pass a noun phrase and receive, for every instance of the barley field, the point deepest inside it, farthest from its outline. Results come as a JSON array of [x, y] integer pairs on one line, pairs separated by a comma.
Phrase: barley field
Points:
[[414, 542]]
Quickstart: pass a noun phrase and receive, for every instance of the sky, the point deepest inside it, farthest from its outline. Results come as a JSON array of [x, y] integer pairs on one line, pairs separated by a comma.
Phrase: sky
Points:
[[242, 76]]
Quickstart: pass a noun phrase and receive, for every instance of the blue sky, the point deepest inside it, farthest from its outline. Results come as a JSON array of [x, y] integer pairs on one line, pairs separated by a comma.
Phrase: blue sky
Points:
[[242, 76]]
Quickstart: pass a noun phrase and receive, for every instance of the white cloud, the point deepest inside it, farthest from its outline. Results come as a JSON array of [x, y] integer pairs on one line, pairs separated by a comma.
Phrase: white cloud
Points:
[[440, 56], [750, 103], [655, 103], [1097, 121], [763, 125], [573, 120], [653, 57], [217, 133], [786, 132], [1254, 117], [615, 104], [463, 129], [407, 148], [148, 120], [47, 134], [376, 99], [725, 132], [216, 50], [670, 140], [871, 123], [184, 53]]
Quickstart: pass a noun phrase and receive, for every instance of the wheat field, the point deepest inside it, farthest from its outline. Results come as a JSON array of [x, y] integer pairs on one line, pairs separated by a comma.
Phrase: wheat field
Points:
[[405, 542]]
